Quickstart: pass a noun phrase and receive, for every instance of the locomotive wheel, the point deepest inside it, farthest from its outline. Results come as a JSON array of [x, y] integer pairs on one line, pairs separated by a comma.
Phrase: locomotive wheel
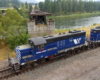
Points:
[[86, 47], [82, 48], [89, 45], [69, 53], [47, 59], [41, 61], [78, 50], [97, 44], [73, 51], [93, 45], [35, 64]]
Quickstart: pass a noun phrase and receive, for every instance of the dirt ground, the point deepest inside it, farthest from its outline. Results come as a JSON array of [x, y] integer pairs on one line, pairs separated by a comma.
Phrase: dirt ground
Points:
[[4, 50], [83, 66]]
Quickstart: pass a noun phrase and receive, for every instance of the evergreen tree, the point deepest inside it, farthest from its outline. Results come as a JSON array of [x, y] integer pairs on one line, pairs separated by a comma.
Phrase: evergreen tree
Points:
[[59, 8], [15, 7], [68, 6], [55, 7], [30, 7], [26, 5], [41, 6], [36, 6]]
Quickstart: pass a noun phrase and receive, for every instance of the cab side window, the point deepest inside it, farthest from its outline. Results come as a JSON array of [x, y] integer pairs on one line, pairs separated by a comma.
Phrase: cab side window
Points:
[[41, 47]]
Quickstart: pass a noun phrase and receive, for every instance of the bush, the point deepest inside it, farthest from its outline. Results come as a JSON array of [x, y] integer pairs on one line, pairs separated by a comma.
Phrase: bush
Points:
[[44, 34], [17, 36], [18, 40], [94, 24], [83, 27], [11, 19]]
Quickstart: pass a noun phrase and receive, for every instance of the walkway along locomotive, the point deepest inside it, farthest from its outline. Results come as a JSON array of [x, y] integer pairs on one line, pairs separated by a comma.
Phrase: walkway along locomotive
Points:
[[46, 48]]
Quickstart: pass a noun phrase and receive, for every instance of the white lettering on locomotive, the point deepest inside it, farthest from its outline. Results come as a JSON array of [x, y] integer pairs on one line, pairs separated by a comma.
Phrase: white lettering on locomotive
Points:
[[40, 52], [77, 41]]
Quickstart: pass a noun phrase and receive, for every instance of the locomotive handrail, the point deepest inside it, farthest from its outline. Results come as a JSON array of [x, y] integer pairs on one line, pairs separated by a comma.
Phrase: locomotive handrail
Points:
[[9, 59], [8, 56]]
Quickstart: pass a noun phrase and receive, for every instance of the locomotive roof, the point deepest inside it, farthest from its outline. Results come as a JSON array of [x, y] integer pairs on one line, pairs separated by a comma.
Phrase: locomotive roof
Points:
[[66, 35], [57, 37], [97, 29], [37, 41], [52, 38]]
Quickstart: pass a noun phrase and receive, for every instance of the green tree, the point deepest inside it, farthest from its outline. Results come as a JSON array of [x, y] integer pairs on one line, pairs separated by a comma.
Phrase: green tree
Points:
[[26, 5], [74, 9], [69, 6], [47, 6], [18, 37], [15, 7], [30, 7], [12, 18], [36, 6], [23, 6], [55, 6], [59, 8], [41, 6], [10, 4]]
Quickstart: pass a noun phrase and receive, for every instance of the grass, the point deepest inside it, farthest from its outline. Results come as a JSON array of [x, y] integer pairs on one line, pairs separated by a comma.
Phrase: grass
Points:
[[4, 50], [87, 29], [94, 24], [62, 30], [75, 15]]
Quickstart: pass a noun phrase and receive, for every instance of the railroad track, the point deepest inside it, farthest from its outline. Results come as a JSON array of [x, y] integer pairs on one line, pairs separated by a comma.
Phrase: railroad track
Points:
[[7, 72]]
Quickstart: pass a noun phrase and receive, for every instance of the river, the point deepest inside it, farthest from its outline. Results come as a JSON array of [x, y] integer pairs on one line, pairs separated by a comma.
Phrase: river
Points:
[[64, 23]]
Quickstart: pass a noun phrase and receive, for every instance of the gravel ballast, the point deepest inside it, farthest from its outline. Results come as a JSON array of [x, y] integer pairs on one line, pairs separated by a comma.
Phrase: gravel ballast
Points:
[[3, 64], [83, 66]]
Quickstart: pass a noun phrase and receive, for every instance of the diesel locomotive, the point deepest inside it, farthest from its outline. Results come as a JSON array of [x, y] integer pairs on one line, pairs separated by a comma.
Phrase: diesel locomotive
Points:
[[45, 48]]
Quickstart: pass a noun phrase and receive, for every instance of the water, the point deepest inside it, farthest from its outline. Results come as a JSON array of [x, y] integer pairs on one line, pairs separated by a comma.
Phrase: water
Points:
[[63, 23]]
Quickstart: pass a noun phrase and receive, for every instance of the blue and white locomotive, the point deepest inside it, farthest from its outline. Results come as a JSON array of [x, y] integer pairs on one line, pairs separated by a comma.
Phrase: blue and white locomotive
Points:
[[95, 34], [49, 47]]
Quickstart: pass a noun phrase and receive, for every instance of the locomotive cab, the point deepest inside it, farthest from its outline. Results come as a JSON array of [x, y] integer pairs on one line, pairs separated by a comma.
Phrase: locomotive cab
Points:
[[38, 43], [95, 34]]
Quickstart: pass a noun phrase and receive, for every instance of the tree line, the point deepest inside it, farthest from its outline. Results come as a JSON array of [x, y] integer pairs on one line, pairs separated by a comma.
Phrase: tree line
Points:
[[24, 10], [61, 7], [9, 3]]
